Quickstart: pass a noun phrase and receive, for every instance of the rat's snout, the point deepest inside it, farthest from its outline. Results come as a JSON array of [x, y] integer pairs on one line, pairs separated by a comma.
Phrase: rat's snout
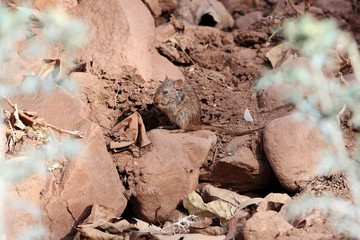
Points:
[[157, 100]]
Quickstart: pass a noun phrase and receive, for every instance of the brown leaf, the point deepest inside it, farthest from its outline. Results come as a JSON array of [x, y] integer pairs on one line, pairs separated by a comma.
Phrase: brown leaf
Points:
[[49, 66], [93, 234], [142, 236], [135, 131], [99, 212], [273, 201], [279, 54], [210, 193], [237, 223]]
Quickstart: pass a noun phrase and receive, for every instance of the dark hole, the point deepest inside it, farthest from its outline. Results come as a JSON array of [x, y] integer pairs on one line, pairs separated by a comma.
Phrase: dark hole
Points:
[[207, 20]]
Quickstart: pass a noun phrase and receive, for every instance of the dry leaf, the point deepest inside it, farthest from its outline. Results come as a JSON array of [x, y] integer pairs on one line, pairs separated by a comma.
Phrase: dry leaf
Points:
[[142, 236], [218, 208], [94, 234], [210, 230], [237, 223], [273, 201], [100, 213], [249, 202], [209, 193], [191, 237], [17, 122], [49, 66], [280, 54], [135, 131]]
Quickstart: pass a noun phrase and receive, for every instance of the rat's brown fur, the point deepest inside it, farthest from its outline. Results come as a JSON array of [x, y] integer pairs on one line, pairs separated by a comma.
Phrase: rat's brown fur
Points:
[[178, 100]]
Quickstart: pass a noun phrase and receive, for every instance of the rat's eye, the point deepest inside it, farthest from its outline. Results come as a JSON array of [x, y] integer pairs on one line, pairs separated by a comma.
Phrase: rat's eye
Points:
[[165, 92]]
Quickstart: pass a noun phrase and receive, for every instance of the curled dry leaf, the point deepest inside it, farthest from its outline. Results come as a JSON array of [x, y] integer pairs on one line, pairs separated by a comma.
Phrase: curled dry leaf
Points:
[[209, 193], [280, 54], [218, 208], [134, 131], [99, 213], [191, 237], [17, 122], [273, 201], [204, 227], [102, 223], [93, 234]]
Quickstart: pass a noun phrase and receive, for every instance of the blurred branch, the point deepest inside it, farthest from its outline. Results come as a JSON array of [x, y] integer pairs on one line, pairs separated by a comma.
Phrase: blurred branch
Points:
[[43, 123]]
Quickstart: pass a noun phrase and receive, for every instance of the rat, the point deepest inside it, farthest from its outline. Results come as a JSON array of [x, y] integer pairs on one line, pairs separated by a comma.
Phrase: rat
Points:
[[178, 100]]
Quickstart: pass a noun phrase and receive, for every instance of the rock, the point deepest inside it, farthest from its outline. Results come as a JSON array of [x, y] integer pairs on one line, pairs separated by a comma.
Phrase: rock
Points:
[[93, 91], [121, 39], [272, 97], [293, 150], [283, 8], [168, 5], [154, 7], [238, 5], [246, 54], [242, 171], [236, 225], [90, 177], [266, 225], [340, 7], [169, 172], [250, 38], [243, 22]]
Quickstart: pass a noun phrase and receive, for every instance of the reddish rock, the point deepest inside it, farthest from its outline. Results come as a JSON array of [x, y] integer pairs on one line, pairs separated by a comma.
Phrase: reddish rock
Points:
[[169, 171], [273, 96], [243, 22], [266, 225], [88, 178], [121, 39], [243, 170], [154, 7], [238, 5], [334, 6], [293, 150]]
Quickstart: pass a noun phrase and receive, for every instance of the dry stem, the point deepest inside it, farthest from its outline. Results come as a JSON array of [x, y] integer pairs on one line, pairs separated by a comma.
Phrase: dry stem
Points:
[[43, 123]]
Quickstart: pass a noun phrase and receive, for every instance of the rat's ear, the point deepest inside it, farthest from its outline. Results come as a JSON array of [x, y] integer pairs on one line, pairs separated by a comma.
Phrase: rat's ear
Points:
[[178, 83]]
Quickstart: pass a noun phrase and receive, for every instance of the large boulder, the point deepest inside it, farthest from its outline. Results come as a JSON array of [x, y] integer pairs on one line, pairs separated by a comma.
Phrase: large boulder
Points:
[[125, 36], [293, 150], [90, 177], [169, 172], [243, 169]]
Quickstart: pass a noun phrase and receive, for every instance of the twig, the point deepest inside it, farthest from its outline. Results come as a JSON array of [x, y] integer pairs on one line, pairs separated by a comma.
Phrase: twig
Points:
[[43, 123], [342, 79], [187, 55], [292, 5], [309, 185], [216, 151]]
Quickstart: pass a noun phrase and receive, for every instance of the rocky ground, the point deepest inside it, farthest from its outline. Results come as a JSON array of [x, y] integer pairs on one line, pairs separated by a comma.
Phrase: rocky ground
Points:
[[131, 169]]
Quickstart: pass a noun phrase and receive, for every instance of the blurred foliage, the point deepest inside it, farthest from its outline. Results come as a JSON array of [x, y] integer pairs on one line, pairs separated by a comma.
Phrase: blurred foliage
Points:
[[26, 34], [319, 96]]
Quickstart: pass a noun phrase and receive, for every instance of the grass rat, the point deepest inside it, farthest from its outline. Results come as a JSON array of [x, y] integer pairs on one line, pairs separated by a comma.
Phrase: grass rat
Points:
[[178, 100]]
